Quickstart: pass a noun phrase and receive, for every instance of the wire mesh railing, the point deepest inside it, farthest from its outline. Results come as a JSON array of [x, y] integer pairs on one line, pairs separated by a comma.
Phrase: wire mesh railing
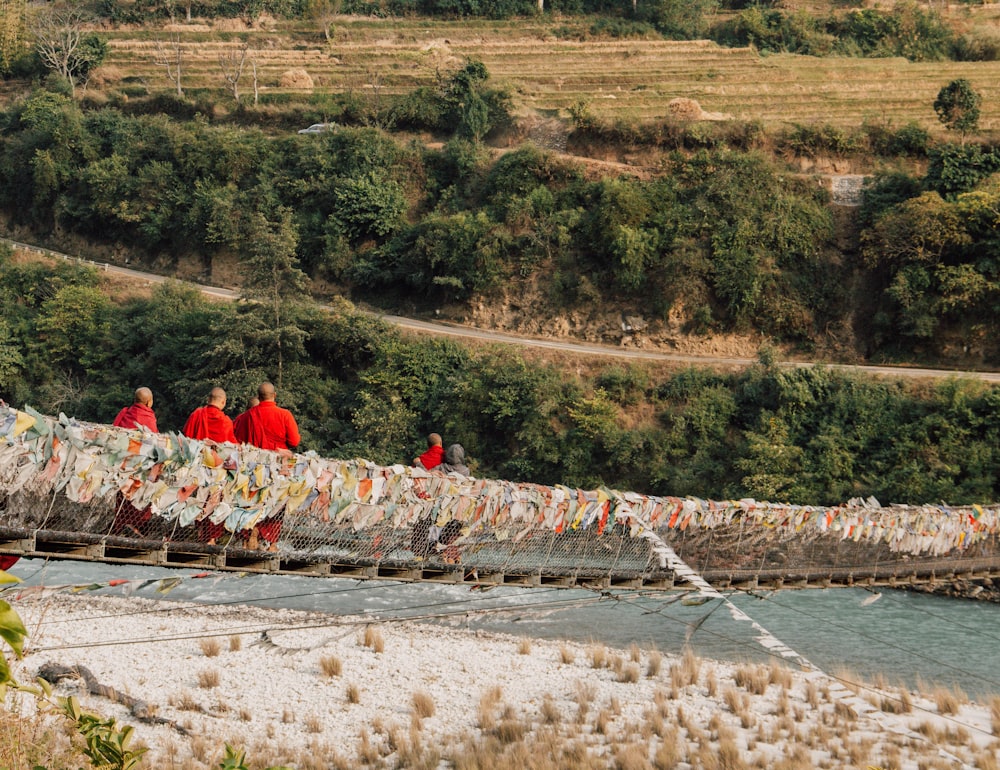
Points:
[[83, 490]]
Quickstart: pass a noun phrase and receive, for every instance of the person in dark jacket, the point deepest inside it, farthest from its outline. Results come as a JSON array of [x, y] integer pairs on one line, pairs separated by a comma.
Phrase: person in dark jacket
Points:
[[454, 461]]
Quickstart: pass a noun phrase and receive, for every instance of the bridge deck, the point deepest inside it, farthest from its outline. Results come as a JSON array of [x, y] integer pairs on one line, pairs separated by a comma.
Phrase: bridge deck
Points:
[[48, 544]]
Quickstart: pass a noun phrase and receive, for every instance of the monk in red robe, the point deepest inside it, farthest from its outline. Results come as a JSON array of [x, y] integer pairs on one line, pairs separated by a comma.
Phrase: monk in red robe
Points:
[[128, 518], [434, 455], [238, 426], [139, 413], [210, 423], [268, 426]]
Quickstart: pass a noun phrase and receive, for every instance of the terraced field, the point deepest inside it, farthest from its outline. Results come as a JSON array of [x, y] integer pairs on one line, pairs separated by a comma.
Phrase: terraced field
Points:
[[545, 72]]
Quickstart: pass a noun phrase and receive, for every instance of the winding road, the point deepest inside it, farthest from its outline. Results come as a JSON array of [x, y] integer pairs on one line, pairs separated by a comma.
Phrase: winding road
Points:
[[578, 348]]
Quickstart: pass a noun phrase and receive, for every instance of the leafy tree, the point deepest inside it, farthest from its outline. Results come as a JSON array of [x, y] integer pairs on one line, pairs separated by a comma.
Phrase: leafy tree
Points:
[[12, 32], [955, 169], [957, 106], [678, 19], [273, 278], [920, 229]]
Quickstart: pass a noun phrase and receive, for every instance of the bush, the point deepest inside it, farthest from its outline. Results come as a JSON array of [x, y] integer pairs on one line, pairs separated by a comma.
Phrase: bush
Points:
[[979, 45], [958, 168]]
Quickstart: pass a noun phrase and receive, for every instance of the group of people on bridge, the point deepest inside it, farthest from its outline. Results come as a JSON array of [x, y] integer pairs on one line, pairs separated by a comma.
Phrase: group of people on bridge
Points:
[[265, 425]]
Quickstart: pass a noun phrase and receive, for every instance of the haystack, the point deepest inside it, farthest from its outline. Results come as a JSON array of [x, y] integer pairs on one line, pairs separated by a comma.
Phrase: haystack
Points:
[[682, 108], [295, 78]]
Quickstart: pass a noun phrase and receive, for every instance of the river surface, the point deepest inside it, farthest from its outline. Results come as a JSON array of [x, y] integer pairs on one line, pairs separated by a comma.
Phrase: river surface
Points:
[[909, 638]]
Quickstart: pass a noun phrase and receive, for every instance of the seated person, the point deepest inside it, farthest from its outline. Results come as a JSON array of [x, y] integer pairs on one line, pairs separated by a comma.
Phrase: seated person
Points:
[[434, 455]]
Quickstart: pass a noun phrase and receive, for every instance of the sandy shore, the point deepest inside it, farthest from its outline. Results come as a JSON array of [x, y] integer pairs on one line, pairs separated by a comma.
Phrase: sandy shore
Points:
[[312, 690]]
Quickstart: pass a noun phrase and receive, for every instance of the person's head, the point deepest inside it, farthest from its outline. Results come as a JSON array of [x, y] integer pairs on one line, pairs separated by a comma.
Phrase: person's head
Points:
[[265, 392], [252, 402], [217, 398], [434, 439], [455, 455], [144, 396]]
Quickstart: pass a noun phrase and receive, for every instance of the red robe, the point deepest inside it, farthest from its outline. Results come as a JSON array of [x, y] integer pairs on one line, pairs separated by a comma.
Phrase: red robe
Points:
[[136, 415], [129, 520], [433, 457], [8, 561], [210, 422], [239, 426], [268, 426]]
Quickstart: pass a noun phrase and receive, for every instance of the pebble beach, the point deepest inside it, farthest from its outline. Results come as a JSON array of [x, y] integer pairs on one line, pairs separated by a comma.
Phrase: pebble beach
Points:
[[307, 689]]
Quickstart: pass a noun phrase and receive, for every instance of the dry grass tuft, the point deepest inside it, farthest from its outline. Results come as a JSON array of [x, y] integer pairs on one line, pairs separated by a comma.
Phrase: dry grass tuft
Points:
[[947, 701], [711, 683], [367, 751], [313, 724], [634, 653], [669, 753], [287, 717], [209, 678], [653, 664], [728, 754], [353, 693], [373, 639], [812, 694], [685, 671], [246, 715], [753, 678], [901, 704], [995, 714], [598, 656], [423, 704], [602, 722], [331, 666], [185, 702], [566, 654], [235, 643], [510, 730], [780, 675], [631, 757], [524, 646], [629, 674], [210, 646], [844, 711], [489, 702], [550, 711], [734, 700]]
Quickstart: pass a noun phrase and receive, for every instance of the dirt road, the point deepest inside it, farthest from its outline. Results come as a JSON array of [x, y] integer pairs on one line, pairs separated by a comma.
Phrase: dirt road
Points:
[[578, 348]]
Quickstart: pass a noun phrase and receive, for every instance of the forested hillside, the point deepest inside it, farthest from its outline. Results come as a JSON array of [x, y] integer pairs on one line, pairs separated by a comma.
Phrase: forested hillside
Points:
[[69, 342], [426, 196]]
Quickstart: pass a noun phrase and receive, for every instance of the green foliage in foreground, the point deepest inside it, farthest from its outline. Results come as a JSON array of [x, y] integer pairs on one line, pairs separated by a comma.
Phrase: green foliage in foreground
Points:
[[360, 389]]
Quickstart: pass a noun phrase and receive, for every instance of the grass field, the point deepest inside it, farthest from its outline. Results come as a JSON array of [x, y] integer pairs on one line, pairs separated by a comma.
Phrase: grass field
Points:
[[545, 72]]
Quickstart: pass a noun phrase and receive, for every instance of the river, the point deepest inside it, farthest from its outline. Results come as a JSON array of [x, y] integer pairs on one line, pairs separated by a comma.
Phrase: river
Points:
[[907, 637]]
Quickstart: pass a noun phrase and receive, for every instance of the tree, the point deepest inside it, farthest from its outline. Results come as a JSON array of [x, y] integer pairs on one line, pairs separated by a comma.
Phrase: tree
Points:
[[64, 45], [232, 61], [273, 277], [12, 18], [323, 12], [171, 58], [957, 106]]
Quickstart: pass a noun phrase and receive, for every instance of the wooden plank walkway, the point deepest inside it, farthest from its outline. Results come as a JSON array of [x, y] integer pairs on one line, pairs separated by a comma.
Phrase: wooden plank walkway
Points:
[[54, 544]]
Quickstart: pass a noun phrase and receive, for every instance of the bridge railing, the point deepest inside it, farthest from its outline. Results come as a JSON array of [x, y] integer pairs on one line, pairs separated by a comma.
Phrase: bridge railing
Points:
[[81, 490]]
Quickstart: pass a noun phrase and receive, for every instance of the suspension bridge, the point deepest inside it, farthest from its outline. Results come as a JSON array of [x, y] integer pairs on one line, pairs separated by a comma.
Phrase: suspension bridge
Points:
[[86, 491]]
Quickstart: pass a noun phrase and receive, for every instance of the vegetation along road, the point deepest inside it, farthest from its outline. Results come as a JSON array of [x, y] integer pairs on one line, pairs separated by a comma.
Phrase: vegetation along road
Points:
[[580, 348]]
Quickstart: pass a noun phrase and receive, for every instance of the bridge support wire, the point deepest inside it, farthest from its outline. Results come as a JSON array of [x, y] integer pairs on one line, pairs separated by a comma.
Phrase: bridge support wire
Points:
[[773, 645]]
